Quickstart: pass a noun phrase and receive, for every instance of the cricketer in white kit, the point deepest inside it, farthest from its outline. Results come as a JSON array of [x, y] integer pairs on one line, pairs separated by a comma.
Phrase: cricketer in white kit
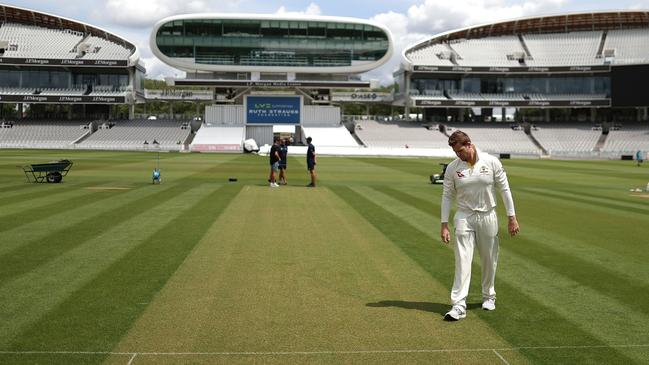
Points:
[[471, 180]]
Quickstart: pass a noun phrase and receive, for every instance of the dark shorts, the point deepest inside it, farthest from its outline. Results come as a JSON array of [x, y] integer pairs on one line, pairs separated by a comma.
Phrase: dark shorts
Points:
[[282, 166], [310, 165]]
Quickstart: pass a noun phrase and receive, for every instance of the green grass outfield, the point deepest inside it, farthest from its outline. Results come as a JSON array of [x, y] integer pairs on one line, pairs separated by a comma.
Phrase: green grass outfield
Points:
[[107, 268]]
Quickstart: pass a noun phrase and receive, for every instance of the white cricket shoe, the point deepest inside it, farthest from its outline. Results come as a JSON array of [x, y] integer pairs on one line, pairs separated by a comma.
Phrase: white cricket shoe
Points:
[[455, 314], [274, 185], [489, 304]]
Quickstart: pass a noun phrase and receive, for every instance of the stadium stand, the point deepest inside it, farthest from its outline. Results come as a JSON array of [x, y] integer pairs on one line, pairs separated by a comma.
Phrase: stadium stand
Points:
[[25, 41], [398, 134], [456, 95], [42, 134], [504, 96], [561, 49], [132, 135], [576, 48], [433, 93], [16, 90], [109, 90], [628, 45], [498, 139], [61, 91], [567, 140], [627, 140], [437, 54], [104, 49], [32, 41], [496, 51], [545, 97]]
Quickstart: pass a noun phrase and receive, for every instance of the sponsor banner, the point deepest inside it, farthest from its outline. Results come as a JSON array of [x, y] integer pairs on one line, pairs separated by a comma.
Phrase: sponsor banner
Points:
[[500, 69], [513, 103], [199, 95], [363, 97], [247, 83], [216, 148], [83, 99], [62, 62], [273, 109]]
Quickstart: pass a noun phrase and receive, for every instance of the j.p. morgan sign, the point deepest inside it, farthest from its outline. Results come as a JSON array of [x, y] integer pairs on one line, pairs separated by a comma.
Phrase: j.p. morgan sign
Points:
[[62, 62], [82, 99], [512, 103], [501, 70]]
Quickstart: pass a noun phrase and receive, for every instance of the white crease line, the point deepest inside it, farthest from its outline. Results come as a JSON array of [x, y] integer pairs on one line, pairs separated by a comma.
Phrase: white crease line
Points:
[[308, 352], [261, 353], [497, 354], [568, 347], [132, 358], [64, 353]]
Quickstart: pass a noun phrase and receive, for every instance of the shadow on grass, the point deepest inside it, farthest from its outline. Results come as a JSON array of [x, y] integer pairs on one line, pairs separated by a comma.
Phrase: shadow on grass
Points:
[[438, 308]]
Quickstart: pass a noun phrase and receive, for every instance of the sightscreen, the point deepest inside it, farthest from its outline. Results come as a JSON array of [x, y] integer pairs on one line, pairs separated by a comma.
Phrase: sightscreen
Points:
[[273, 109], [630, 86]]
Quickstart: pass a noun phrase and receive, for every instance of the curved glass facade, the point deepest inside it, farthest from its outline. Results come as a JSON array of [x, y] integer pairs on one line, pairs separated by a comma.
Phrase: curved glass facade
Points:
[[292, 43], [559, 84], [60, 79]]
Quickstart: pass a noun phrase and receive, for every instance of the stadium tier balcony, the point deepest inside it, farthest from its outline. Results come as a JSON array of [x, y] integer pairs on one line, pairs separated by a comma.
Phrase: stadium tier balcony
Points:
[[17, 90], [61, 91], [108, 90], [214, 59], [504, 96], [465, 96], [427, 94]]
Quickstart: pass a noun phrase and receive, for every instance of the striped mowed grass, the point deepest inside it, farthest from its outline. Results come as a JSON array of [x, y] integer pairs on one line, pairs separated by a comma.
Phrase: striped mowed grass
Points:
[[107, 268]]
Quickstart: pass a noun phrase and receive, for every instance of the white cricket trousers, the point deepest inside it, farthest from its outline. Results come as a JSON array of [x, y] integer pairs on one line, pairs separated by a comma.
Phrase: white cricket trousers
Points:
[[475, 229]]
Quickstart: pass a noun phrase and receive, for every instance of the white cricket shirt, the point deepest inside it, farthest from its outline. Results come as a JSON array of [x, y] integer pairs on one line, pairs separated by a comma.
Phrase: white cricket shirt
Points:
[[474, 187]]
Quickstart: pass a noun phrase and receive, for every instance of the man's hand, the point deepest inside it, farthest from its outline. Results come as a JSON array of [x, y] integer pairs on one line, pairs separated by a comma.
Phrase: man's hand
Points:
[[512, 226], [445, 233]]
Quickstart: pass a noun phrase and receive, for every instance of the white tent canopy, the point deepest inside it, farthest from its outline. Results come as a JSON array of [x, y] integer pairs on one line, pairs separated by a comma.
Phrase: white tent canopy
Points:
[[283, 128]]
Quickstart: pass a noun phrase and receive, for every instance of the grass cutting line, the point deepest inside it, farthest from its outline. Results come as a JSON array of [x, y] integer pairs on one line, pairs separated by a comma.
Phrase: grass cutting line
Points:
[[323, 352]]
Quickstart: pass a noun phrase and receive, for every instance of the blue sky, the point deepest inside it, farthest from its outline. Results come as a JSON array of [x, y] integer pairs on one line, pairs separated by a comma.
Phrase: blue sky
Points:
[[409, 20]]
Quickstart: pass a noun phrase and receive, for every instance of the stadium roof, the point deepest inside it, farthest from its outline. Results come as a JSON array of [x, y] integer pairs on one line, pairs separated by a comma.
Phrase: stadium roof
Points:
[[558, 23], [19, 15]]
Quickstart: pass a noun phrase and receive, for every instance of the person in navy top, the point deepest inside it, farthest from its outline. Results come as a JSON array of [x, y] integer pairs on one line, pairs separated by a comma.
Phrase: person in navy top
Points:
[[274, 162], [311, 161], [283, 152]]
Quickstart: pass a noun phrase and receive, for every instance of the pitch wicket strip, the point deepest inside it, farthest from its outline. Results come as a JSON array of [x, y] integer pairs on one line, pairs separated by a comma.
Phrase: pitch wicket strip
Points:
[[324, 352]]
